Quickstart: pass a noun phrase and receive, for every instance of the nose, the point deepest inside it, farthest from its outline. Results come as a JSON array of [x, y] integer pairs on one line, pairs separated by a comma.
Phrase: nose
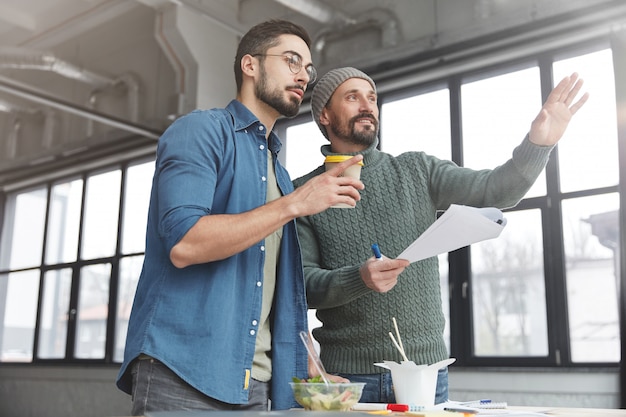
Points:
[[303, 76], [367, 106]]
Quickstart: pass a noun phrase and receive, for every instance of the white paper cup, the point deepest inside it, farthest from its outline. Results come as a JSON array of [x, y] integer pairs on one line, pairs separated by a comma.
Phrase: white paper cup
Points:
[[353, 171]]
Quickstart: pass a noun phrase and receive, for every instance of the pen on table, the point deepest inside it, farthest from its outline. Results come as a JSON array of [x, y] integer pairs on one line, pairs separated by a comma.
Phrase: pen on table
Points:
[[476, 402], [376, 251], [380, 407], [460, 410]]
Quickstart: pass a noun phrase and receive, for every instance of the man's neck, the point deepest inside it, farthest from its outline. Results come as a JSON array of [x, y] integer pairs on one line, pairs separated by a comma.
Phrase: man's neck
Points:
[[265, 113], [340, 146]]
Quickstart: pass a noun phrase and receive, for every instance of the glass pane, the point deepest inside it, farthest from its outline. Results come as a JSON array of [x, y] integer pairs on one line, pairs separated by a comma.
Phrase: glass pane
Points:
[[136, 201], [18, 295], [302, 147], [508, 290], [101, 215], [93, 310], [130, 268], [22, 231], [62, 239], [596, 120], [431, 131], [494, 123], [591, 239], [54, 313]]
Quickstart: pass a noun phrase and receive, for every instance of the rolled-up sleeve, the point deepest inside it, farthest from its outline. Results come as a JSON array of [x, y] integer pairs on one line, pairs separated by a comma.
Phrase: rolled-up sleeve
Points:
[[188, 159]]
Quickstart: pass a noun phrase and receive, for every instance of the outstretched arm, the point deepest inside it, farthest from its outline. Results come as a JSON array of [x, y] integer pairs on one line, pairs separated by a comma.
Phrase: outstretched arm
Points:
[[556, 113]]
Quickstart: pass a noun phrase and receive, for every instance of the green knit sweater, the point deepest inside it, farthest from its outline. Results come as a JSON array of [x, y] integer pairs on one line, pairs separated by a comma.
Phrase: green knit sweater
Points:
[[399, 203]]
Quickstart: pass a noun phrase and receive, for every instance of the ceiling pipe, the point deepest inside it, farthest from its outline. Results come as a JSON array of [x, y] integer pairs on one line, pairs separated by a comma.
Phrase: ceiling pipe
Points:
[[20, 58], [317, 11], [33, 94], [49, 122], [384, 20], [28, 59]]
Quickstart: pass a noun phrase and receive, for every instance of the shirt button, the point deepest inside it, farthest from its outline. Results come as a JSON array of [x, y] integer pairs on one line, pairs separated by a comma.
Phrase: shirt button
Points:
[[263, 179], [262, 248], [261, 128], [252, 332], [258, 284], [254, 322], [262, 147]]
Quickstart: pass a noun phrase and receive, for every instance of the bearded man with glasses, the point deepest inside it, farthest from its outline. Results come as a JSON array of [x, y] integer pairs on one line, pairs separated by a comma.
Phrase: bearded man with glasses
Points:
[[221, 294]]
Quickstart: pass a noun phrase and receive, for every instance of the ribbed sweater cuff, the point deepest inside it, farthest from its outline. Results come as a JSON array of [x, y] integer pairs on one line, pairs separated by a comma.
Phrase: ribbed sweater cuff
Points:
[[351, 282], [530, 159]]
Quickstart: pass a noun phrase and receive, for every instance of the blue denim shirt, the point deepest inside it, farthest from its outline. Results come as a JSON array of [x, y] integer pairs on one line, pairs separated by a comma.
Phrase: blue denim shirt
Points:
[[201, 321]]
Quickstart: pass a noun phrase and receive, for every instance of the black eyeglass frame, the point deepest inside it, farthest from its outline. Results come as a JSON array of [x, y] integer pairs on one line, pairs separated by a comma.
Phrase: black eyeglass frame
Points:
[[295, 64]]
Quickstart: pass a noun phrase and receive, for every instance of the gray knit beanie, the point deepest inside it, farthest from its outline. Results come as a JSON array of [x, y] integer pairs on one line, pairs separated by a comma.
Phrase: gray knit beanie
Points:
[[326, 86]]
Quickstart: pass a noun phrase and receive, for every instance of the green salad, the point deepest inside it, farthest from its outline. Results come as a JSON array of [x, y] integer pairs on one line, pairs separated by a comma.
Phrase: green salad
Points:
[[314, 394]]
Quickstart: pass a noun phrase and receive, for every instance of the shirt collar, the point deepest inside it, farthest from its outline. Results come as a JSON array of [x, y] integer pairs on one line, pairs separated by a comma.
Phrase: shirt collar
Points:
[[244, 119]]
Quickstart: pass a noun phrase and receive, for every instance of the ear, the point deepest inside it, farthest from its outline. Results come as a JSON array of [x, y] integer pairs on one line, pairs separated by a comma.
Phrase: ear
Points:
[[249, 65], [324, 118]]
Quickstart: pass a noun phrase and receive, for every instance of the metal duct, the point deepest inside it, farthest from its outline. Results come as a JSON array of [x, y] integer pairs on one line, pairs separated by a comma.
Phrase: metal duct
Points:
[[49, 124], [33, 94], [382, 19], [317, 11], [27, 59], [20, 58]]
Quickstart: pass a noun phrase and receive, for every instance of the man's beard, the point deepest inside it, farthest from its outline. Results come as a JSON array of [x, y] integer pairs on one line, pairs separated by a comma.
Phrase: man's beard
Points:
[[351, 135], [275, 98]]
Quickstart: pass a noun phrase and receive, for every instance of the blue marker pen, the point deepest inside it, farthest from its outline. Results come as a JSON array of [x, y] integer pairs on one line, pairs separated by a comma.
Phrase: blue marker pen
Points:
[[376, 251]]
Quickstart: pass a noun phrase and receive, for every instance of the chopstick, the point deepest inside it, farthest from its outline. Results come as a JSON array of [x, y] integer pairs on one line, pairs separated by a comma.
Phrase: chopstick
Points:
[[398, 343], [393, 339], [395, 325]]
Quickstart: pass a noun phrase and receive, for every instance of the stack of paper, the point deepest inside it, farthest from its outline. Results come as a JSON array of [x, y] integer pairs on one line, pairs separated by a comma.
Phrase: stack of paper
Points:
[[457, 227]]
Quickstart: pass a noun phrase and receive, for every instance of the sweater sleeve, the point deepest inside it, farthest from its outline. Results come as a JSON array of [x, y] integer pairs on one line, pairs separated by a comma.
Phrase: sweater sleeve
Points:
[[326, 288], [502, 187]]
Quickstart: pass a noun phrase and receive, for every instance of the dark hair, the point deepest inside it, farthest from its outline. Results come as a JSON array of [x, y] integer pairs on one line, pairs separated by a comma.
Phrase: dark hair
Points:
[[262, 37]]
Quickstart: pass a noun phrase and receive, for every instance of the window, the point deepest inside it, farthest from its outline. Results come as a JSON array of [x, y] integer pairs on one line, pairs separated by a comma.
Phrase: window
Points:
[[303, 139], [508, 292], [67, 218]]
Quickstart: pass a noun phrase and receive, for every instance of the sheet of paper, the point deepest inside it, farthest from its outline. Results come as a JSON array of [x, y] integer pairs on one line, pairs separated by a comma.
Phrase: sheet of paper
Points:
[[457, 227]]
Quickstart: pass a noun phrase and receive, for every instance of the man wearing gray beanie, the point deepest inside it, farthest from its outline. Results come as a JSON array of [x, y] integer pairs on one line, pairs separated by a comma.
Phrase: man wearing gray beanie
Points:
[[327, 85], [357, 295]]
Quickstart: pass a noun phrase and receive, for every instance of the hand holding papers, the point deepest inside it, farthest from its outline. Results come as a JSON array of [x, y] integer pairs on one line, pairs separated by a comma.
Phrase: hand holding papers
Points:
[[459, 226]]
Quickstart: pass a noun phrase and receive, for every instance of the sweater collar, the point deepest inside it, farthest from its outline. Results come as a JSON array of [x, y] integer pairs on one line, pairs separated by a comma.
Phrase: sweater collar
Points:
[[371, 155]]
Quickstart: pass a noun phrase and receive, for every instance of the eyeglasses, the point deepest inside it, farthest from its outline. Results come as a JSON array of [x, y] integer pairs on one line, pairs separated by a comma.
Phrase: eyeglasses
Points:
[[295, 65]]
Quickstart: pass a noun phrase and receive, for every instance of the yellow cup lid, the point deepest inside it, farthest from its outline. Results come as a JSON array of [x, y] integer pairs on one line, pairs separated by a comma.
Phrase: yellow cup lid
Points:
[[339, 158]]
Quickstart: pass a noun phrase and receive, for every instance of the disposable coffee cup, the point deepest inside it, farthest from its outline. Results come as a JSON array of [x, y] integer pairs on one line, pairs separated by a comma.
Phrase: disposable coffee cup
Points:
[[353, 171]]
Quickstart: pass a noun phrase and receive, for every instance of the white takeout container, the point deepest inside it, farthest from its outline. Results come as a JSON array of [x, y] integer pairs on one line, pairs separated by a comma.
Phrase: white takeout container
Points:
[[413, 384]]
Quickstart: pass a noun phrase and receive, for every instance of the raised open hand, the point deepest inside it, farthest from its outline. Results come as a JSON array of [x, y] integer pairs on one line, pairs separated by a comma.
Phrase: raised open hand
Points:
[[556, 113]]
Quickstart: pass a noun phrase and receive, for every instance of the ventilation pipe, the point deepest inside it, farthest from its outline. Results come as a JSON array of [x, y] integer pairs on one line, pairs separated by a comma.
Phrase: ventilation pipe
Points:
[[317, 11], [34, 94], [384, 20], [26, 59], [19, 58], [12, 138], [49, 124]]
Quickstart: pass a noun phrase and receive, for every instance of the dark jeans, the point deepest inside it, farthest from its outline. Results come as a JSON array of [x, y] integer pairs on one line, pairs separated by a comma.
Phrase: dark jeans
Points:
[[156, 388], [379, 387]]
